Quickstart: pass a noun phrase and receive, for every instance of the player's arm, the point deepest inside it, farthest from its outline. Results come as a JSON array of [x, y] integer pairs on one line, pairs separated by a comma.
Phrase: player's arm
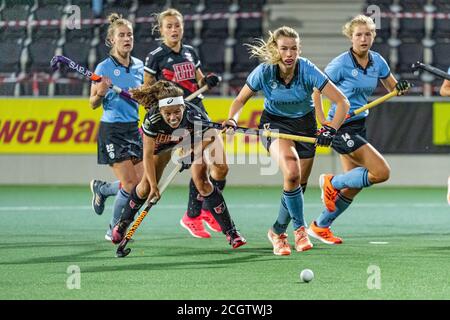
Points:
[[149, 79], [445, 89], [238, 103], [318, 106], [390, 83], [99, 91], [342, 105], [149, 166]]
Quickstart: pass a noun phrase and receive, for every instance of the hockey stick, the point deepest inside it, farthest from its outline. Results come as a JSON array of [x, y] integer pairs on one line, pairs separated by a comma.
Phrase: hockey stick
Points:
[[94, 77], [372, 104], [121, 251], [433, 70], [257, 132], [56, 60]]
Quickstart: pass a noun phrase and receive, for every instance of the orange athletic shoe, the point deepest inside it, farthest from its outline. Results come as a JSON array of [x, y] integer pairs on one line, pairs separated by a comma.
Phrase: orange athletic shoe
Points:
[[194, 226], [279, 242], [329, 193], [302, 242], [323, 234], [210, 221]]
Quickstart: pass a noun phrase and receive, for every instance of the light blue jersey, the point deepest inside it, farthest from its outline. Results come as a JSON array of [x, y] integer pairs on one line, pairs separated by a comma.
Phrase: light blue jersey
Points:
[[116, 108], [355, 82], [448, 70], [291, 100]]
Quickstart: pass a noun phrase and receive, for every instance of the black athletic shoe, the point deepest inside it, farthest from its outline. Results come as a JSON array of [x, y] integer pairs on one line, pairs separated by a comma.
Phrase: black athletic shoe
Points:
[[98, 200], [235, 239]]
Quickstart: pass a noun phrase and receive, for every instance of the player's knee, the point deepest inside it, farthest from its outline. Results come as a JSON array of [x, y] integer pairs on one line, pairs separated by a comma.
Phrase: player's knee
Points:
[[220, 171], [381, 175], [203, 186], [292, 178]]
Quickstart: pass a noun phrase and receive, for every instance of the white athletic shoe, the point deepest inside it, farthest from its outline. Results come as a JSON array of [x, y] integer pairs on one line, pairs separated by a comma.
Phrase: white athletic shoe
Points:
[[108, 237]]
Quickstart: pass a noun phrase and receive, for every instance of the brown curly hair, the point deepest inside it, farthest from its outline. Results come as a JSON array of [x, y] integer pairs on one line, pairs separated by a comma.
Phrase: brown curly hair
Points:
[[148, 96]]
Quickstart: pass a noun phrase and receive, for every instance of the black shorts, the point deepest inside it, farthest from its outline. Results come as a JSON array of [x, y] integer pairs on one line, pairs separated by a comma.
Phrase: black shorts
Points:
[[350, 137], [304, 126], [118, 142]]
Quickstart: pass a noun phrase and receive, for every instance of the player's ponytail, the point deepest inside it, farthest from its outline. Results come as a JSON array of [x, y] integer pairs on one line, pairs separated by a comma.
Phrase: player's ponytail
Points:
[[267, 52], [148, 96]]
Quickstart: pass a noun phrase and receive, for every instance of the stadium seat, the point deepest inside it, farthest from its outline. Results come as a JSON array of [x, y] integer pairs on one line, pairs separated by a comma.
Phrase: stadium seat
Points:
[[78, 51], [412, 5], [212, 55], [441, 55], [441, 29], [241, 58], [15, 13], [215, 28], [442, 6], [142, 49], [10, 62], [382, 48], [251, 6], [6, 88], [384, 31], [143, 32], [409, 53], [412, 28], [218, 5], [248, 27], [39, 54], [383, 4]]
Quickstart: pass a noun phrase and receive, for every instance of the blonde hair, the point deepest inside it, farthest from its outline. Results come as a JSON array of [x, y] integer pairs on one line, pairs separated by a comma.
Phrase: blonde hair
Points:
[[159, 18], [148, 96], [349, 27], [115, 21], [267, 52]]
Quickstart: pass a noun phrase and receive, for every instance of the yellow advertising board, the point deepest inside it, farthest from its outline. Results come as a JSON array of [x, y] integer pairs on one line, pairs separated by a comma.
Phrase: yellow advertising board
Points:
[[441, 123], [70, 126]]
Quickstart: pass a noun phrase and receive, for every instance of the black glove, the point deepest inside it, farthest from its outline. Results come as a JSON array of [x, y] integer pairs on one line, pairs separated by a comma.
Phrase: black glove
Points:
[[325, 136], [212, 80], [402, 86]]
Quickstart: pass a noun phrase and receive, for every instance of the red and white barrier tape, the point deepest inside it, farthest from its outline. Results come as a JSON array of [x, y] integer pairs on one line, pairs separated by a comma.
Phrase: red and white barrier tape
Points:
[[98, 21], [415, 15]]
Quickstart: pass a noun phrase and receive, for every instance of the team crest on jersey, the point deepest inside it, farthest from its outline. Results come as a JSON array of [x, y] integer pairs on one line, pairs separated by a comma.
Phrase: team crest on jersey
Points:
[[355, 72], [273, 84], [116, 72]]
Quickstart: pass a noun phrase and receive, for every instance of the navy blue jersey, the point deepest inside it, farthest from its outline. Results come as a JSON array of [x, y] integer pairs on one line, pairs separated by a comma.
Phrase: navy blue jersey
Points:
[[180, 67], [116, 108], [355, 82], [287, 100], [156, 127]]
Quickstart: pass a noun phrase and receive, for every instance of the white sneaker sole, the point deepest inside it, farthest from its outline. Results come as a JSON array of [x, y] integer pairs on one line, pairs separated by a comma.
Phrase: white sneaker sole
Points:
[[277, 254], [321, 183], [192, 234], [108, 238], [211, 228], [311, 233]]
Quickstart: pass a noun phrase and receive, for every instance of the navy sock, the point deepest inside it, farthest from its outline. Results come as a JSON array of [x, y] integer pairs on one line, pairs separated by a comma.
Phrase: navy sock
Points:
[[356, 178], [283, 219], [220, 184], [132, 206], [119, 203], [326, 218], [216, 204], [195, 201], [294, 203], [110, 188]]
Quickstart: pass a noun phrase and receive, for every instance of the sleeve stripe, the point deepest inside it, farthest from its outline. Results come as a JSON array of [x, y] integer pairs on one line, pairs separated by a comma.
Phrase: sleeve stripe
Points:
[[323, 85], [149, 133], [385, 77], [198, 64], [151, 71], [251, 88]]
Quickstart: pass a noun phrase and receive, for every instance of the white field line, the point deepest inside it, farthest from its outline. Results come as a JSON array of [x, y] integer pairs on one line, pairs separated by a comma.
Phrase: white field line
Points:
[[232, 206]]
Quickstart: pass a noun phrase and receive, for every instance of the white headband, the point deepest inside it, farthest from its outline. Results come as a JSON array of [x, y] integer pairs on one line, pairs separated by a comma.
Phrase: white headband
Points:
[[172, 101]]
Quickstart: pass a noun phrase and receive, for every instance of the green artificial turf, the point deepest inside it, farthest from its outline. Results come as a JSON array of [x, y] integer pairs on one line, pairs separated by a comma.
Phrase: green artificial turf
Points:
[[46, 230]]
